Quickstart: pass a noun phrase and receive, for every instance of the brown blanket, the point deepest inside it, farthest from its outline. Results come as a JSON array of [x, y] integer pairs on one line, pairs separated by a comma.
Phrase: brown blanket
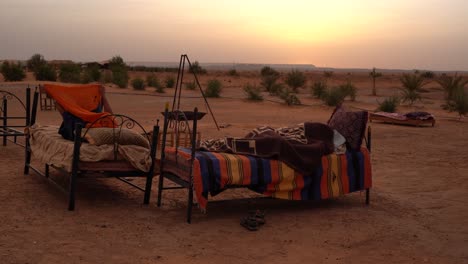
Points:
[[303, 157]]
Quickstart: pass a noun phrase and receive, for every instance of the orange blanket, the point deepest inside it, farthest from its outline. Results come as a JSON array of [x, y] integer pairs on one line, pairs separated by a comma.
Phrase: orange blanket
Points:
[[79, 100]]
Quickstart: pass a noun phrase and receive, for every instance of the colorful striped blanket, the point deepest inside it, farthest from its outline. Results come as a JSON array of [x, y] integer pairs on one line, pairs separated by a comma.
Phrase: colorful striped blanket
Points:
[[214, 172]]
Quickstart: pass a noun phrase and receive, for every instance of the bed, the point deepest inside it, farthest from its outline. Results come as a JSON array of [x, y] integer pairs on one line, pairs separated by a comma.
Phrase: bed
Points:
[[121, 150], [206, 173], [12, 125], [409, 119]]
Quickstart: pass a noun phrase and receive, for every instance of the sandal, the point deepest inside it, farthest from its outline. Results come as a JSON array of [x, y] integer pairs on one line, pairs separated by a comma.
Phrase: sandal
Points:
[[249, 223], [258, 215]]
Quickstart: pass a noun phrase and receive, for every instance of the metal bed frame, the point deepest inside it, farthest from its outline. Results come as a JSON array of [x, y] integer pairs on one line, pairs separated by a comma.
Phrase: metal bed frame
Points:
[[7, 129], [179, 122], [78, 170]]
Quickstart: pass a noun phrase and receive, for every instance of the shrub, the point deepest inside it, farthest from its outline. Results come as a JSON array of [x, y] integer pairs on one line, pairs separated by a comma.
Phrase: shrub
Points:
[[213, 88], [91, 74], [107, 77], [374, 75], [412, 84], [160, 89], [70, 73], [152, 80], [12, 72], [389, 104], [451, 85], [35, 62], [269, 77], [45, 73], [253, 92], [349, 90], [196, 68], [119, 71], [458, 102], [138, 84], [328, 74], [289, 97], [428, 75], [170, 81], [233, 73], [191, 85], [319, 90], [295, 79], [334, 97]]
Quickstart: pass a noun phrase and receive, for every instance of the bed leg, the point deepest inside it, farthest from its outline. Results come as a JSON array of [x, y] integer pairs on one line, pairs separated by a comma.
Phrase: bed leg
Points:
[[5, 120], [367, 196], [160, 189], [71, 198], [27, 158], [189, 205], [47, 170]]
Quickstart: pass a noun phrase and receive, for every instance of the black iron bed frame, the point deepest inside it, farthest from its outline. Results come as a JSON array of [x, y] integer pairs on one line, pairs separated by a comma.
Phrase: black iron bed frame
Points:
[[7, 129], [179, 122], [119, 121]]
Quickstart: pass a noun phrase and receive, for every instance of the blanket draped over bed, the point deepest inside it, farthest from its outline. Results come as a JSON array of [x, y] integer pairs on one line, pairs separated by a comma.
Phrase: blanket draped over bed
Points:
[[335, 174]]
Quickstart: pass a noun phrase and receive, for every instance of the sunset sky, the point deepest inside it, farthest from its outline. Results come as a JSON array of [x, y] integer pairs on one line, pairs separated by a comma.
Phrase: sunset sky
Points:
[[403, 34]]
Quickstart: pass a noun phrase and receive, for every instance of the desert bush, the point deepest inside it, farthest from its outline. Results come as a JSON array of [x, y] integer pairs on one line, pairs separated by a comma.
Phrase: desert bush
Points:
[[12, 72], [269, 77], [107, 77], [451, 84], [196, 68], [35, 62], [389, 104], [190, 85], [458, 103], [213, 88], [334, 97], [428, 75], [45, 73], [295, 79], [91, 74], [138, 84], [170, 81], [119, 71], [70, 73], [253, 92], [319, 89], [152, 80], [289, 97], [328, 74], [412, 84], [374, 75], [349, 90], [233, 73]]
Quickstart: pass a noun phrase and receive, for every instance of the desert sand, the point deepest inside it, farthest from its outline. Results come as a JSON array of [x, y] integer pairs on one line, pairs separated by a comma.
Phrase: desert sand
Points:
[[418, 211]]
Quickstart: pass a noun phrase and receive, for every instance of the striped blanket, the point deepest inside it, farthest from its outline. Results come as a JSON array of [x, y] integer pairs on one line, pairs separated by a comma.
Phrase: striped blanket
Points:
[[214, 172]]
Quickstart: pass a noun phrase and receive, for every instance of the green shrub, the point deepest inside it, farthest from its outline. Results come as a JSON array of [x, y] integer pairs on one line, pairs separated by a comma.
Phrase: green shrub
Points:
[[170, 81], [389, 104], [328, 74], [295, 79], [45, 73], [269, 77], [91, 74], [120, 77], [107, 77], [35, 62], [253, 92], [319, 89], [428, 75], [70, 73], [334, 97], [451, 85], [160, 89], [152, 81], [190, 85], [138, 84], [412, 84], [213, 88], [289, 97], [349, 90], [196, 68], [12, 72], [456, 97], [233, 73]]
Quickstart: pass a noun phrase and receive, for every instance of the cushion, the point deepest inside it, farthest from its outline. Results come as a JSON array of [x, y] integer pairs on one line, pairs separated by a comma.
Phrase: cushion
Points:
[[352, 125], [106, 135]]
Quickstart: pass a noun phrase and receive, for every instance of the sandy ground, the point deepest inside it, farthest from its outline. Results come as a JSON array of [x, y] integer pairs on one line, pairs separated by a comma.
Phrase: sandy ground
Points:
[[418, 211]]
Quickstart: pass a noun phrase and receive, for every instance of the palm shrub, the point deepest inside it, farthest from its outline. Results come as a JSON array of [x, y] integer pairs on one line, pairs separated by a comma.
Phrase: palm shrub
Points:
[[170, 81], [349, 90], [458, 103], [374, 75], [455, 94], [428, 75], [389, 104], [269, 77], [45, 73], [138, 84], [213, 88], [412, 84], [289, 97], [451, 84], [253, 92], [319, 89], [70, 73], [12, 72], [295, 79]]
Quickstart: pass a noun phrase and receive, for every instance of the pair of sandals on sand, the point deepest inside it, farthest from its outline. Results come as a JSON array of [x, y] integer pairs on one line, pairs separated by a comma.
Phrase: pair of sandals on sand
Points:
[[254, 220]]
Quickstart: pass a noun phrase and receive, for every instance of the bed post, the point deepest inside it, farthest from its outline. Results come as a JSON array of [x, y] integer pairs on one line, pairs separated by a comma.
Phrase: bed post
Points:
[[369, 141], [5, 119], [31, 121], [163, 146], [74, 172], [194, 147], [149, 177]]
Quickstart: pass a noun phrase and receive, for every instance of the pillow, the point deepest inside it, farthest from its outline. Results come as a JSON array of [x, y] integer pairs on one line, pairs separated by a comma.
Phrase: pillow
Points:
[[105, 135], [352, 125]]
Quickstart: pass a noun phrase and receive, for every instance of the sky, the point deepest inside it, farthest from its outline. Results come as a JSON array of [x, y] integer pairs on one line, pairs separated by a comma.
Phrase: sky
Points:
[[391, 34]]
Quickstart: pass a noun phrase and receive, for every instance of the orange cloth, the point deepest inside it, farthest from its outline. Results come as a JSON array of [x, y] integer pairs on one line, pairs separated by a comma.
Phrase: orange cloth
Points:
[[79, 100]]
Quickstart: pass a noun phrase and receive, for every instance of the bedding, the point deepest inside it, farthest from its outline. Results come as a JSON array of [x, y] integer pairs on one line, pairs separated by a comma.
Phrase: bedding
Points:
[[51, 148], [411, 118], [213, 172]]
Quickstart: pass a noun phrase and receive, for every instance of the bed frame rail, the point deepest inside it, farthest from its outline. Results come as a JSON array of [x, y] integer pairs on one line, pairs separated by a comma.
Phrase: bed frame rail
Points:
[[8, 129]]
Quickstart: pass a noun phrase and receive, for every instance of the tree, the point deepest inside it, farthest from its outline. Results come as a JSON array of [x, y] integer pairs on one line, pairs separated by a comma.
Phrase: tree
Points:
[[295, 79], [70, 73], [374, 75], [412, 84], [12, 72], [119, 71], [35, 62]]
